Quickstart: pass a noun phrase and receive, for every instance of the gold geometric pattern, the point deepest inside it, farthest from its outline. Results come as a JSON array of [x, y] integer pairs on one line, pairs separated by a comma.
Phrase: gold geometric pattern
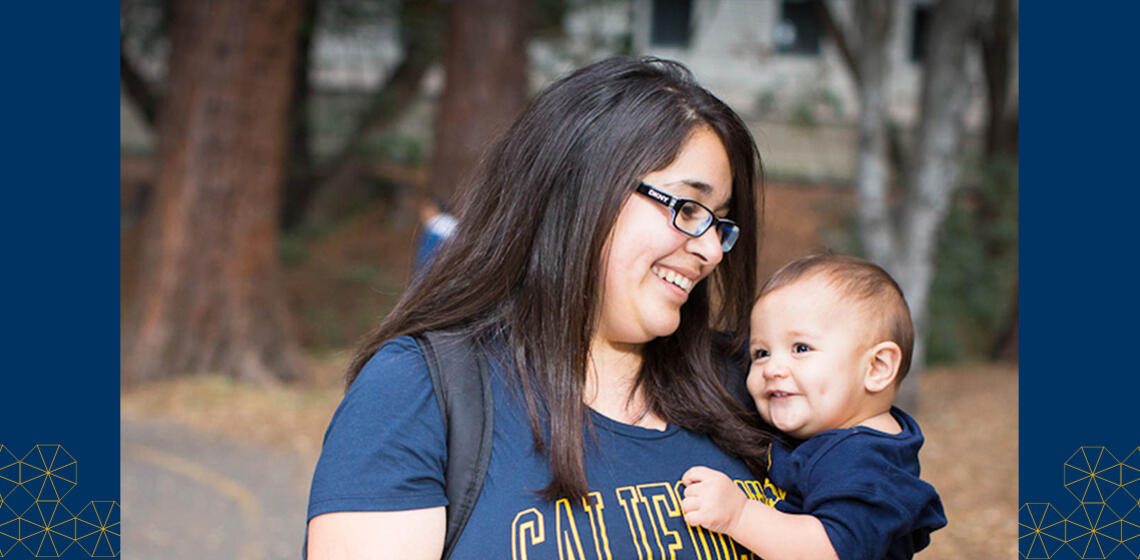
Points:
[[1106, 521], [32, 513]]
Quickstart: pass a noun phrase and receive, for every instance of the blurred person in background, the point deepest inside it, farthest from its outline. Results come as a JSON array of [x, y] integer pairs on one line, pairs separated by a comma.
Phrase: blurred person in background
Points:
[[437, 225]]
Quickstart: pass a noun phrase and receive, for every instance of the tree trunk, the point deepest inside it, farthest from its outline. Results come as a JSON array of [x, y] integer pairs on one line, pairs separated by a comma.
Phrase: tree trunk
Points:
[[874, 19], [210, 297], [486, 85], [999, 41], [137, 89], [999, 47], [932, 176]]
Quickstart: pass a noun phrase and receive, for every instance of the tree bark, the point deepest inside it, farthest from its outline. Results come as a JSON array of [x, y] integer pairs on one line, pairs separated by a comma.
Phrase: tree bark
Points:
[[486, 85], [210, 297], [932, 176], [137, 90], [847, 43], [872, 175], [842, 39], [998, 40]]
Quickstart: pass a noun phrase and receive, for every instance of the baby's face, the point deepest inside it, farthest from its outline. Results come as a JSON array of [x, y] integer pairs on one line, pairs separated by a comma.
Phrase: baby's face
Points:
[[810, 350]]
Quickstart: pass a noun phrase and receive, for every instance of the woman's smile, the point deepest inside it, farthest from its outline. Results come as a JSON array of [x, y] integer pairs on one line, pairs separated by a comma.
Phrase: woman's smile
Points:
[[677, 279]]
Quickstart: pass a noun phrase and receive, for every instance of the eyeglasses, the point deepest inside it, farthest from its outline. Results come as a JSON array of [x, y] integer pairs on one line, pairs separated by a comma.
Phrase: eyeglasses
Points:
[[693, 218]]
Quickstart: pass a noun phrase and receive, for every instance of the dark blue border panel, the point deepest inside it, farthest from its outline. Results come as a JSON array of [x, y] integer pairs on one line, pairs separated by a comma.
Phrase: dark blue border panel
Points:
[[1080, 429], [59, 398]]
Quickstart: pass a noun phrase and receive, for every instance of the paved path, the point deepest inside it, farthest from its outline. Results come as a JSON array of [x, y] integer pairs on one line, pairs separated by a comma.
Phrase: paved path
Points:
[[187, 495]]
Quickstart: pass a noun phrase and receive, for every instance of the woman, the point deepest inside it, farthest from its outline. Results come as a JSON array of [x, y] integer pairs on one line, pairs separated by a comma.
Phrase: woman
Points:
[[596, 294]]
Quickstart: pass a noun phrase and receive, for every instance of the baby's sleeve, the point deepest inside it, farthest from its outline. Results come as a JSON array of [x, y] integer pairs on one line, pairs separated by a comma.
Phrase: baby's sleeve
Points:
[[385, 448], [871, 506]]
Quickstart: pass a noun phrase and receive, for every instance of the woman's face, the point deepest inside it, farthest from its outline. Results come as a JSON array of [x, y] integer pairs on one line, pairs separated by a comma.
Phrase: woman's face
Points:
[[649, 267]]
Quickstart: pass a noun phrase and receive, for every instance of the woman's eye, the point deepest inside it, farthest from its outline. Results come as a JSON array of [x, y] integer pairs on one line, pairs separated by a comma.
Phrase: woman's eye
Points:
[[800, 347], [759, 354]]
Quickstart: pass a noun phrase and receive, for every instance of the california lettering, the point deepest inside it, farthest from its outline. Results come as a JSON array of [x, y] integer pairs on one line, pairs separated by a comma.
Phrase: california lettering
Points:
[[647, 515]]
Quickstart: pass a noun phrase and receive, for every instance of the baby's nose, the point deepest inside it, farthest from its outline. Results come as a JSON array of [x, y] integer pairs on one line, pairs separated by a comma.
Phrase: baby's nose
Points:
[[775, 368]]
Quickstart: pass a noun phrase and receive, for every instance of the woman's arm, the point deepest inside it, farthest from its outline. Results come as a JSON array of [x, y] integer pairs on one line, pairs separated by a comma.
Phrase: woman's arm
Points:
[[410, 534]]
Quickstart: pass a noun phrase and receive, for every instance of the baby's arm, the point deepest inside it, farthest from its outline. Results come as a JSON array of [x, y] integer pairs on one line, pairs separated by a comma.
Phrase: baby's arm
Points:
[[714, 502]]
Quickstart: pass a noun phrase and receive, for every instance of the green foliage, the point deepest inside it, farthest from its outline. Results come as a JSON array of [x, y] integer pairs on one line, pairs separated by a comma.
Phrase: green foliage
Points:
[[395, 147], [294, 246], [362, 273], [976, 270], [547, 16], [292, 250]]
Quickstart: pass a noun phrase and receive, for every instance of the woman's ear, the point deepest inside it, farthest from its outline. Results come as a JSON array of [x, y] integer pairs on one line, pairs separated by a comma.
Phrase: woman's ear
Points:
[[884, 366]]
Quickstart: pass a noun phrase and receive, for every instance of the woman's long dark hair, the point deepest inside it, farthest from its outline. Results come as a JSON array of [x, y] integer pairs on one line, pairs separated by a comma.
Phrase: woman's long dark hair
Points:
[[525, 264]]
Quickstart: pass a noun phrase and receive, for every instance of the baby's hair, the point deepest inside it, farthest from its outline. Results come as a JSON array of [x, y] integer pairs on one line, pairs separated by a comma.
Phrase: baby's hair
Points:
[[862, 281]]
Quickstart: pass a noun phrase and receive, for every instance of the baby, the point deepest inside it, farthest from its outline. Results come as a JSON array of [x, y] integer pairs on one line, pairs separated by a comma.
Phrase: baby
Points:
[[831, 340]]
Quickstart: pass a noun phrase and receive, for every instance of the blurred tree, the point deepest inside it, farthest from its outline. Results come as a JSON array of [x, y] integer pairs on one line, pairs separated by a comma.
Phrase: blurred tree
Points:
[[323, 186], [299, 166], [136, 88], [420, 25], [998, 38], [209, 298], [904, 240], [486, 85], [143, 22]]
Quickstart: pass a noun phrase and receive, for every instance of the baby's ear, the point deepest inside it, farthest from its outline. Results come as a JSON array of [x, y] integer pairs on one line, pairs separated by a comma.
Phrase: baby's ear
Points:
[[884, 366]]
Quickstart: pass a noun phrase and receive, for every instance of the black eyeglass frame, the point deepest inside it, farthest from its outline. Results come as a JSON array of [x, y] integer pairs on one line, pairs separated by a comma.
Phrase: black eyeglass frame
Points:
[[727, 230]]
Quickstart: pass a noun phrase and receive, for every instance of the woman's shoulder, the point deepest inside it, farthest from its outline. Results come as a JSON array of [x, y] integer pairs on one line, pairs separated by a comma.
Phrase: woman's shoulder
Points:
[[398, 358], [394, 377]]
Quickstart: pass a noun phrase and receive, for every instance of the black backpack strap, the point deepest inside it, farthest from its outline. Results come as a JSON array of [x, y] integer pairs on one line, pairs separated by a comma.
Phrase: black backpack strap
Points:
[[462, 388]]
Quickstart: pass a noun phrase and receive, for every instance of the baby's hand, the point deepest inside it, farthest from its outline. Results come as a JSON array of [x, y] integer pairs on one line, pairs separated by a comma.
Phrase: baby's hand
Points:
[[711, 499]]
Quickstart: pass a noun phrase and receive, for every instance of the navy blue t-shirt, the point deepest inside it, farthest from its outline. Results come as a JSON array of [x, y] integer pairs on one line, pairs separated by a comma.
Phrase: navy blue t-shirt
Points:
[[385, 449], [864, 486]]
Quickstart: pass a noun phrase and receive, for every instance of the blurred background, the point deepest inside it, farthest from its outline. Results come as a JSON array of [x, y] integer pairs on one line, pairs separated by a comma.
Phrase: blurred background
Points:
[[275, 153]]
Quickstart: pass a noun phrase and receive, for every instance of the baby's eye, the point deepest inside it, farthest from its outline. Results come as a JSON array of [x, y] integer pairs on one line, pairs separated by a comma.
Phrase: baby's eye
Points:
[[759, 354], [800, 347]]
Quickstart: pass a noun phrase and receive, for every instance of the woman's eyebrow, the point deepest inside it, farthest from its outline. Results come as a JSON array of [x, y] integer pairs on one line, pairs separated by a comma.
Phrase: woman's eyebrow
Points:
[[703, 188]]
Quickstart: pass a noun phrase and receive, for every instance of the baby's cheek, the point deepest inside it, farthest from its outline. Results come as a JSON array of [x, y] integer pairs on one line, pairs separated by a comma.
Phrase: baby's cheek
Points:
[[755, 382]]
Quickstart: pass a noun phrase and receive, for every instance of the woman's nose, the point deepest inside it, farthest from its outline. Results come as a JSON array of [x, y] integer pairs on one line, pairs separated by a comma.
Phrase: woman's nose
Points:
[[707, 246]]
